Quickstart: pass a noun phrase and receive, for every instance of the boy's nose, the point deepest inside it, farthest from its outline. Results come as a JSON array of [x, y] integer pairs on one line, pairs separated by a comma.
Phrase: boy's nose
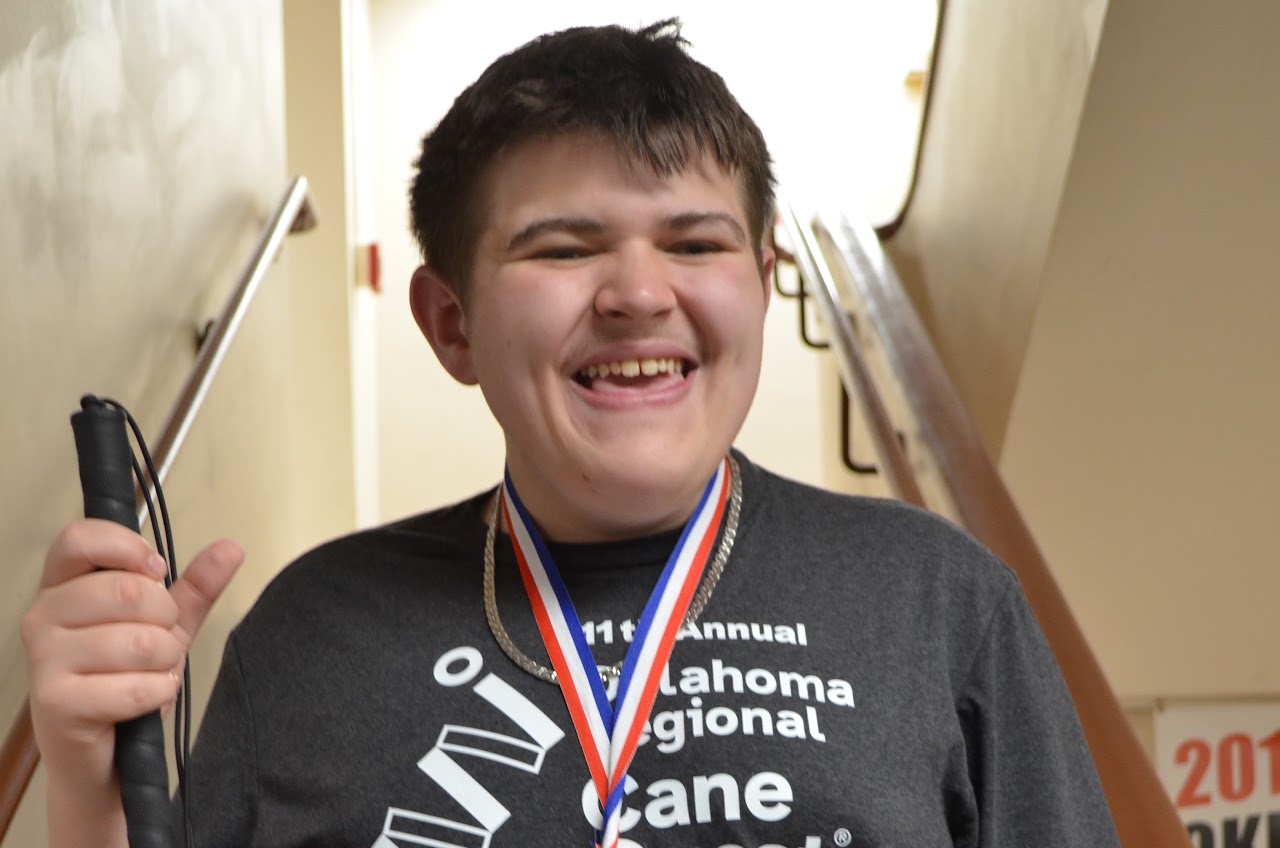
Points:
[[639, 285]]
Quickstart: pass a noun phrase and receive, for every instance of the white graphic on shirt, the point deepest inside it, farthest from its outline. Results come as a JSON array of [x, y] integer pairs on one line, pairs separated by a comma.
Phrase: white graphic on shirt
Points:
[[767, 797], [404, 828], [668, 802], [603, 632]]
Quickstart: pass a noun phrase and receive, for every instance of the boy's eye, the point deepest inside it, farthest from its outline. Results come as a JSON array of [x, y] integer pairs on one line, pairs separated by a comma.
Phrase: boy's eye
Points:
[[696, 248], [561, 252]]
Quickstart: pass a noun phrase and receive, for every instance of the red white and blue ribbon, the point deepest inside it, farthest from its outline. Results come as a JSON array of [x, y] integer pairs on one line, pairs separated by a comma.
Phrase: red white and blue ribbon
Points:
[[610, 734]]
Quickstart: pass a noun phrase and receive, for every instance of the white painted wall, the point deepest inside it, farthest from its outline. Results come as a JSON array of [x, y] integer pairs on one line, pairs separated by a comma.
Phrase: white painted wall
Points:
[[142, 149]]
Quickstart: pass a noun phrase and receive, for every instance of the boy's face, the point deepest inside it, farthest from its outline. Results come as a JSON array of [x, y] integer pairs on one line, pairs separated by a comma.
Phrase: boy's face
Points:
[[586, 268]]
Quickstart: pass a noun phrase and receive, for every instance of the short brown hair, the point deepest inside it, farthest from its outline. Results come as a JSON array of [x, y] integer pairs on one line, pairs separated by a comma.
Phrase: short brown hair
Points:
[[638, 88]]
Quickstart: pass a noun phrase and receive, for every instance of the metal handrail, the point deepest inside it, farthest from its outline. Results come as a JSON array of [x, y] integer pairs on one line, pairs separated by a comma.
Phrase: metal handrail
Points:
[[294, 213], [816, 276], [1143, 813]]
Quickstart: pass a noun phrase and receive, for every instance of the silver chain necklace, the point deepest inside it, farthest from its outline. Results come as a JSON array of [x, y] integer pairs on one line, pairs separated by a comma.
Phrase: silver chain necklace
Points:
[[709, 579]]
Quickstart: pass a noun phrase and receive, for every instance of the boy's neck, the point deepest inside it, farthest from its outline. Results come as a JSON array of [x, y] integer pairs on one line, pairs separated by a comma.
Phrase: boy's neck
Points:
[[559, 522], [620, 533]]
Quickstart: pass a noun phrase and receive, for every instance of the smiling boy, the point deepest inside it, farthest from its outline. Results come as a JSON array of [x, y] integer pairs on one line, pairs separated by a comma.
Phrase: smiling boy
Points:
[[640, 638], [592, 271]]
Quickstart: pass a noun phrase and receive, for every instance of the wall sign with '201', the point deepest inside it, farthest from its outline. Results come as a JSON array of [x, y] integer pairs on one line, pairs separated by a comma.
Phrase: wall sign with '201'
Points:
[[1230, 768]]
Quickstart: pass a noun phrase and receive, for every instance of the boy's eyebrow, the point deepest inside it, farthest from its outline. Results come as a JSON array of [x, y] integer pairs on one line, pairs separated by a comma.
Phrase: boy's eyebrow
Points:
[[688, 220], [574, 226]]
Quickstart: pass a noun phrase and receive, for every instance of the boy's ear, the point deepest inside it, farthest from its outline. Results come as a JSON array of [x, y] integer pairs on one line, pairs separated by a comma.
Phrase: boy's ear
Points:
[[443, 322], [768, 258]]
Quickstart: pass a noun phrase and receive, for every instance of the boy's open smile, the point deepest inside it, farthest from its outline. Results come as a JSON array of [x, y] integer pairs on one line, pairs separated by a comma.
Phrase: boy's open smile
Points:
[[635, 376], [630, 373]]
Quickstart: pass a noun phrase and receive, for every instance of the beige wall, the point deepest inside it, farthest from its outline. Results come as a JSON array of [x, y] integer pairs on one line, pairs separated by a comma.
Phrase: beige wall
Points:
[[1009, 84], [140, 155], [321, 264], [1142, 443], [1090, 244]]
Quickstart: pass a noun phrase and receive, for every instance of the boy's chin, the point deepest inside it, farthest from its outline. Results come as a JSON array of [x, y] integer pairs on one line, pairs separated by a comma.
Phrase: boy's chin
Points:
[[647, 498]]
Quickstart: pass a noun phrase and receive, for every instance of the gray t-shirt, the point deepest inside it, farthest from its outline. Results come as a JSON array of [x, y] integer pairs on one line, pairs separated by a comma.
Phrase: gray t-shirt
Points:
[[865, 674]]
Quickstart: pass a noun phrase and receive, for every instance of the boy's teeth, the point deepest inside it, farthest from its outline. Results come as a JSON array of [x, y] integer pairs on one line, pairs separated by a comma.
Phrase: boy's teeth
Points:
[[634, 368]]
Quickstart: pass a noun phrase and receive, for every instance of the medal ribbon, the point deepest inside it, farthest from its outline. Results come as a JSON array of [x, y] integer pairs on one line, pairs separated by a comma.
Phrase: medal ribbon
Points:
[[609, 735]]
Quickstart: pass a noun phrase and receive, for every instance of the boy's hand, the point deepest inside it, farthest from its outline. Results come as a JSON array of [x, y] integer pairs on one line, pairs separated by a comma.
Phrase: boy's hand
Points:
[[105, 642]]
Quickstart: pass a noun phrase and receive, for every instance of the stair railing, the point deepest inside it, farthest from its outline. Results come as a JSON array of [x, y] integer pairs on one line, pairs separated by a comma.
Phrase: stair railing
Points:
[[294, 213], [845, 268]]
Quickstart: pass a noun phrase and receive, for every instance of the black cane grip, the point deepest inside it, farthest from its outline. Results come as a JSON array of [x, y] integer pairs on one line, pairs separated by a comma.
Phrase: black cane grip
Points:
[[106, 463], [144, 782], [106, 479]]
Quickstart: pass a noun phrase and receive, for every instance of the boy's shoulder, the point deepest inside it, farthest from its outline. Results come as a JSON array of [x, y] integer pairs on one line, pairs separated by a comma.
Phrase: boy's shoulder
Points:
[[866, 533], [391, 557]]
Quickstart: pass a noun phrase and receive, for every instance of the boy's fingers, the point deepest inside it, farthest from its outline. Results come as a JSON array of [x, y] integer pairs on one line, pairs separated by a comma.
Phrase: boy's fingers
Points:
[[119, 648], [92, 543], [97, 699], [203, 581], [108, 596]]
